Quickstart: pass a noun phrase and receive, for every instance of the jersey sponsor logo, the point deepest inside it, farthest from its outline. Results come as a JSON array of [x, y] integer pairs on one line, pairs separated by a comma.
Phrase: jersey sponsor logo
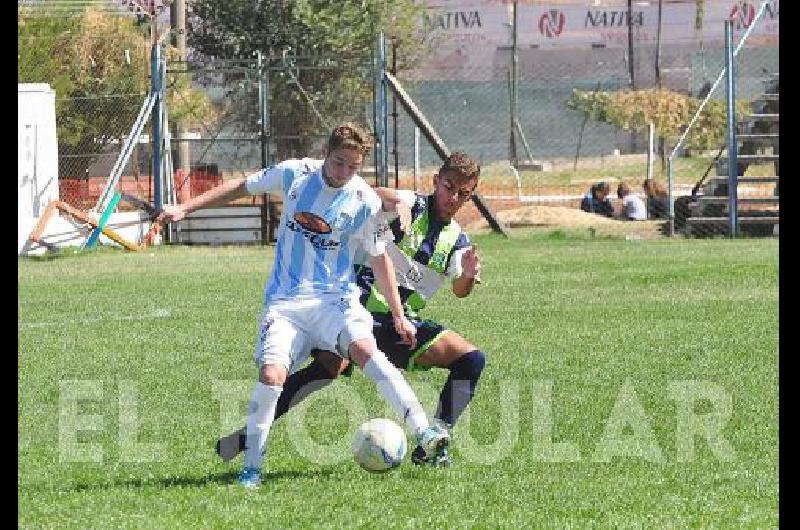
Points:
[[316, 239], [312, 222]]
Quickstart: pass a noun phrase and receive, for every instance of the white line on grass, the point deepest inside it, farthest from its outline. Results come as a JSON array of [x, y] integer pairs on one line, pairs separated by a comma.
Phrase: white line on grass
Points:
[[158, 313]]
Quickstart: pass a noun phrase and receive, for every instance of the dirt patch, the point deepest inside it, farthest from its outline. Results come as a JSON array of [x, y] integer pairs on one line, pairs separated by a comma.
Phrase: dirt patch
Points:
[[570, 219]]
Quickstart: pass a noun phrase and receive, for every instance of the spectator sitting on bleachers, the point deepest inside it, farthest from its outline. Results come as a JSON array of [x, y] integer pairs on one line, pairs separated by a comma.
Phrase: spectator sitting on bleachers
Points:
[[656, 199], [633, 208], [596, 200]]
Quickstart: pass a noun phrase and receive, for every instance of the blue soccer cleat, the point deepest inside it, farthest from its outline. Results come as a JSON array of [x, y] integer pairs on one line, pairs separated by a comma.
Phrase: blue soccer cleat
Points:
[[250, 478]]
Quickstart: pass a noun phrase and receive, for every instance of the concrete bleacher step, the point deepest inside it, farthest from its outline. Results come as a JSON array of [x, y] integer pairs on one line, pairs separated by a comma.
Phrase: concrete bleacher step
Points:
[[758, 137], [714, 199], [761, 117], [757, 132], [772, 219], [722, 163], [752, 179], [765, 157]]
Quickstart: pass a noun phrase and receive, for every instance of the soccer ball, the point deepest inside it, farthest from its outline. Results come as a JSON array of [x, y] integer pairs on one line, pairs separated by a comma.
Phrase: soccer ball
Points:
[[379, 445]]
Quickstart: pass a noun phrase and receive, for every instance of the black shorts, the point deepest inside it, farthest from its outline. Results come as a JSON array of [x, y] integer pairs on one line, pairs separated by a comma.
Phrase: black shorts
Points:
[[399, 354]]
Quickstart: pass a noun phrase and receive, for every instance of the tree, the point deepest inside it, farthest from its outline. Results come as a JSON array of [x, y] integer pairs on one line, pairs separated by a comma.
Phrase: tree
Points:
[[700, 10], [335, 39], [98, 65], [669, 112]]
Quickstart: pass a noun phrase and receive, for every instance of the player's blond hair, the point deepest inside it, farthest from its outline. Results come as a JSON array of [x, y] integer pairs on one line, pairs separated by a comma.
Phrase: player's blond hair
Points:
[[350, 136], [461, 167]]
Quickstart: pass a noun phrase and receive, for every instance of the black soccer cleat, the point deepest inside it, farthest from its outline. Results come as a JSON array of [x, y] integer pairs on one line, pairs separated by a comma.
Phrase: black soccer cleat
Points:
[[231, 445], [432, 448], [419, 458]]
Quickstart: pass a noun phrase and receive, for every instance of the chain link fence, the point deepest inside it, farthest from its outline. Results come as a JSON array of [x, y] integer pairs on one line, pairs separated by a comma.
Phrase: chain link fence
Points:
[[101, 79], [307, 96], [540, 153], [561, 152], [92, 124]]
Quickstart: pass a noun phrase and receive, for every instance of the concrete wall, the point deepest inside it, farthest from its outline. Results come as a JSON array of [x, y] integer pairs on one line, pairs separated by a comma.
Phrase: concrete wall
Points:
[[37, 155]]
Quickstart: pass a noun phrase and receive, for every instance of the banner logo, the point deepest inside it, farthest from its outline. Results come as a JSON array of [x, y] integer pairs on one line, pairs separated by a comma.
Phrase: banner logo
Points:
[[551, 23], [743, 14]]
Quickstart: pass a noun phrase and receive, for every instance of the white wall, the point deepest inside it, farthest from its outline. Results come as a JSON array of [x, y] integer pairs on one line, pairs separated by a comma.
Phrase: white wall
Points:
[[37, 155]]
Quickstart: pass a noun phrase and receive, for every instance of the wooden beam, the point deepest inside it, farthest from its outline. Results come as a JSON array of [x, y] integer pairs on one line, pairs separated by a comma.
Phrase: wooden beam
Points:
[[36, 235], [440, 147], [86, 218]]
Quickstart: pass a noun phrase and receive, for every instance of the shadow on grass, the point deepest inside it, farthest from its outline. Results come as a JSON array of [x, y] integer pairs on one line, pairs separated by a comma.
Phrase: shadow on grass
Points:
[[54, 252], [225, 478]]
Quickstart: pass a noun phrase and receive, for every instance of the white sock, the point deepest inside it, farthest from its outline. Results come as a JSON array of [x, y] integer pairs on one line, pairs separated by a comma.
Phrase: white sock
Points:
[[396, 391], [260, 414]]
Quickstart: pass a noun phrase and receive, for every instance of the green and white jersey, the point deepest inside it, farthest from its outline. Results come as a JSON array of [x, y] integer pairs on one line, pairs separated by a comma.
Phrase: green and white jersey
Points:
[[423, 257]]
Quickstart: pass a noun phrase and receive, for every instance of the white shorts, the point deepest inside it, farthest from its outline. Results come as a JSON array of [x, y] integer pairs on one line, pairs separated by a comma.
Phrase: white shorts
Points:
[[290, 329]]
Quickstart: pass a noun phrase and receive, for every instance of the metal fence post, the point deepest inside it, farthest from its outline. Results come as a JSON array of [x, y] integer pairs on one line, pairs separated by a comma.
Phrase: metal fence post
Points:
[[513, 87], [670, 202], [650, 149], [155, 80], [733, 166], [382, 119], [265, 198]]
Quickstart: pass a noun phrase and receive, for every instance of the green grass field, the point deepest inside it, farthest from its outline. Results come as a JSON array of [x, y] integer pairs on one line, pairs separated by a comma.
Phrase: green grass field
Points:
[[629, 384]]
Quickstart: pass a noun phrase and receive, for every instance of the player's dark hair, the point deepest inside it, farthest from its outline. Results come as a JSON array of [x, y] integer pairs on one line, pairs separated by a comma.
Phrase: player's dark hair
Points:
[[461, 167]]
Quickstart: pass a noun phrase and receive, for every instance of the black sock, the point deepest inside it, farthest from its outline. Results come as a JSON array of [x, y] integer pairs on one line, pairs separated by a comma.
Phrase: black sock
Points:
[[460, 386], [300, 384]]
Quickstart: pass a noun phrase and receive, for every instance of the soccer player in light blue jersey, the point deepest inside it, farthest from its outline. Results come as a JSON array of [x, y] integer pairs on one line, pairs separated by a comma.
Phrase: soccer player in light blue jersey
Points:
[[428, 248], [311, 300]]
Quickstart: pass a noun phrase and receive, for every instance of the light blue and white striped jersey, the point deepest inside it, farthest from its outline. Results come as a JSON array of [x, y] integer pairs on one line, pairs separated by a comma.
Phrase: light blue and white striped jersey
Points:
[[321, 228]]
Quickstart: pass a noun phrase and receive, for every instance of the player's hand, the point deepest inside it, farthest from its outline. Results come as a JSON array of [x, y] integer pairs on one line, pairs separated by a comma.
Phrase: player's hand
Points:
[[471, 263], [406, 330], [404, 215], [171, 213]]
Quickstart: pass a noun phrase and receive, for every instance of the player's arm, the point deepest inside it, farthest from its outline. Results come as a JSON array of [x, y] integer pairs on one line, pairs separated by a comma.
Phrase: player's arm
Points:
[[228, 191], [387, 285], [470, 271], [374, 236], [399, 202], [266, 180]]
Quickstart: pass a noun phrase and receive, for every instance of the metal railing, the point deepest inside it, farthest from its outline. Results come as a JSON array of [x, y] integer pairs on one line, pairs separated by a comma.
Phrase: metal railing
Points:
[[679, 144]]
